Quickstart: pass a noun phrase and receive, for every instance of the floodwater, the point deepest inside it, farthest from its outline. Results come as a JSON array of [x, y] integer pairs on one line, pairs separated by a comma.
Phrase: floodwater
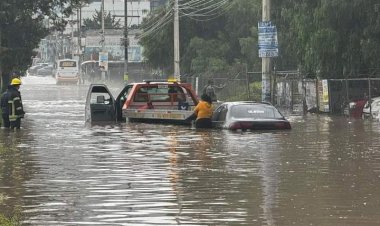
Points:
[[60, 171]]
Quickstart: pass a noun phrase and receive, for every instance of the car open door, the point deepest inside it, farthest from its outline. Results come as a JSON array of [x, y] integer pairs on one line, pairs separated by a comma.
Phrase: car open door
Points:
[[119, 102], [100, 104]]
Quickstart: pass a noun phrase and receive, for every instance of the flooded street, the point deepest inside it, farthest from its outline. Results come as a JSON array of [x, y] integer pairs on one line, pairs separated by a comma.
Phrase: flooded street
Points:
[[60, 171]]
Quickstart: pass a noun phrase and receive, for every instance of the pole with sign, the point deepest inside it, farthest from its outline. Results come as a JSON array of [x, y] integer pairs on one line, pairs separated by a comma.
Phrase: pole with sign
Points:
[[265, 50], [103, 63]]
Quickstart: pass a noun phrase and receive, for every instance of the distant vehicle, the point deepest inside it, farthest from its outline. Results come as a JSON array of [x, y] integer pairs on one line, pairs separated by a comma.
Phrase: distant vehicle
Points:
[[246, 115], [372, 109], [354, 108], [33, 70], [45, 71], [168, 102], [67, 71], [90, 70], [35, 61]]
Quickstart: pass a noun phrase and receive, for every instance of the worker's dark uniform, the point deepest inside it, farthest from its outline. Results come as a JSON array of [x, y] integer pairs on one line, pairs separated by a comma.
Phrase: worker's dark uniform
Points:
[[15, 108], [5, 108]]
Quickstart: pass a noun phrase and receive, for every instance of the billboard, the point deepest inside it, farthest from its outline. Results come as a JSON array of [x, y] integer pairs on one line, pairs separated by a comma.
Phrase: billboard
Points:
[[323, 94]]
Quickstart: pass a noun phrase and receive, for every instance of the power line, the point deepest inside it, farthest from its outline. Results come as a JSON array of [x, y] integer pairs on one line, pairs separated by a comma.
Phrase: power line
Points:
[[199, 10]]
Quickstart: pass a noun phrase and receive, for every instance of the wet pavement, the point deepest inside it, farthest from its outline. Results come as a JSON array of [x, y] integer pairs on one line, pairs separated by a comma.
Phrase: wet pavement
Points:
[[58, 170]]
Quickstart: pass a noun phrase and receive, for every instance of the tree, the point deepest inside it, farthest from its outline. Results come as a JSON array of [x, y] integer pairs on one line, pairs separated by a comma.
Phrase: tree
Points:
[[22, 28], [96, 22], [209, 44], [334, 38]]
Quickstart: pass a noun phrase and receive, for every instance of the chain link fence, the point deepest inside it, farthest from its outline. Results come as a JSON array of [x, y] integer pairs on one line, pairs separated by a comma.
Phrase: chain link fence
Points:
[[291, 91]]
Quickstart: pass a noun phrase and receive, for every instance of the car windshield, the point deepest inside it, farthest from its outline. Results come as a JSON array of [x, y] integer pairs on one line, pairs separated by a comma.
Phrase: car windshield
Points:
[[255, 111], [159, 93]]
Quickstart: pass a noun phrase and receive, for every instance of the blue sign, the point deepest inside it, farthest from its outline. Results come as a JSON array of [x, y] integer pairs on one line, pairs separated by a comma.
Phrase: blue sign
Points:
[[268, 43]]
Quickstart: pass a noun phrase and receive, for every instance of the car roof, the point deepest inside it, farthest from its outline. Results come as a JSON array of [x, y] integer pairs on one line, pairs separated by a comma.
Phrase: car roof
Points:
[[375, 98], [148, 83], [233, 103]]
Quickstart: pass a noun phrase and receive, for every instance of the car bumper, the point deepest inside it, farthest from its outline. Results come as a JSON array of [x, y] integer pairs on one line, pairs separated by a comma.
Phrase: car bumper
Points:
[[67, 79]]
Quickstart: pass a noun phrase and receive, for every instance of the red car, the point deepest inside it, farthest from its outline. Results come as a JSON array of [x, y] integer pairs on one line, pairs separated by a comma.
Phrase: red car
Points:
[[149, 101], [354, 109]]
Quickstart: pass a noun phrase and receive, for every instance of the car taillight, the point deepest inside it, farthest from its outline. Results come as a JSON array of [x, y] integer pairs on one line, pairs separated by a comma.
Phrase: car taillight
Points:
[[235, 125], [241, 125], [282, 125], [246, 125]]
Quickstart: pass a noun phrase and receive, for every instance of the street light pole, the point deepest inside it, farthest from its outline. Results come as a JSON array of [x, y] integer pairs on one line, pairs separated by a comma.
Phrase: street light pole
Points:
[[177, 75], [102, 11], [103, 42], [79, 24], [126, 41], [266, 61]]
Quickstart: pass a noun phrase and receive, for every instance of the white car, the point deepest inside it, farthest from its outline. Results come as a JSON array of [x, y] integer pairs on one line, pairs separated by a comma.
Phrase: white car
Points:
[[372, 109], [248, 115]]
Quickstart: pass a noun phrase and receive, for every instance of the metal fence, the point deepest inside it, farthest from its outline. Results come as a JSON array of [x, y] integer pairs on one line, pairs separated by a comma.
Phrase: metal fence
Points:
[[292, 92], [227, 89], [342, 91], [298, 95]]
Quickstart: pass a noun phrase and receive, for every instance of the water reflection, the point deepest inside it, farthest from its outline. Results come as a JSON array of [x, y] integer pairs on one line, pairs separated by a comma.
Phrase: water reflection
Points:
[[15, 169]]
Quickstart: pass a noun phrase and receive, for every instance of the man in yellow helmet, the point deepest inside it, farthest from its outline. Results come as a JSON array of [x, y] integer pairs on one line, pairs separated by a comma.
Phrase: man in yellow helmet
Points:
[[11, 105]]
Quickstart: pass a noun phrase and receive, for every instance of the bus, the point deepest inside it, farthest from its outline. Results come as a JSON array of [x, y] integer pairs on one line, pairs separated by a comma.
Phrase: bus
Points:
[[67, 71]]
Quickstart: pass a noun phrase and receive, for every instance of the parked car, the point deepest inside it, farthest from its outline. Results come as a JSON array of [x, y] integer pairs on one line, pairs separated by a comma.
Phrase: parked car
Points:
[[355, 108], [246, 115], [45, 71], [372, 109]]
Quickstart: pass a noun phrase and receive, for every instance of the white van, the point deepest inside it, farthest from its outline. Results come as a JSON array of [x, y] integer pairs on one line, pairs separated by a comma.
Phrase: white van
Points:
[[67, 71]]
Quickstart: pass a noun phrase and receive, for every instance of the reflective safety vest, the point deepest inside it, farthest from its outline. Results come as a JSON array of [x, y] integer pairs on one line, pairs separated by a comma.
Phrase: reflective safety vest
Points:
[[15, 108]]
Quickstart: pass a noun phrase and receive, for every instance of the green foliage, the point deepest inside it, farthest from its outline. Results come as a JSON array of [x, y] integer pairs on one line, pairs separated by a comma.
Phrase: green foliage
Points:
[[331, 38], [96, 22], [335, 38], [210, 47], [13, 221], [210, 56]]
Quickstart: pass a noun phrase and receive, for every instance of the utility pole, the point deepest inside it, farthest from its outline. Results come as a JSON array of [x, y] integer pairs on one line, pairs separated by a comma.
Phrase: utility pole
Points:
[[79, 27], [102, 11], [266, 61], [126, 41], [103, 42], [177, 74]]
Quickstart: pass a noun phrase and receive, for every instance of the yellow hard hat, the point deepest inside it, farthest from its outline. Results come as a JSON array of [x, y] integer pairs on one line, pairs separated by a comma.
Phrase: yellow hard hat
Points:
[[16, 81]]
